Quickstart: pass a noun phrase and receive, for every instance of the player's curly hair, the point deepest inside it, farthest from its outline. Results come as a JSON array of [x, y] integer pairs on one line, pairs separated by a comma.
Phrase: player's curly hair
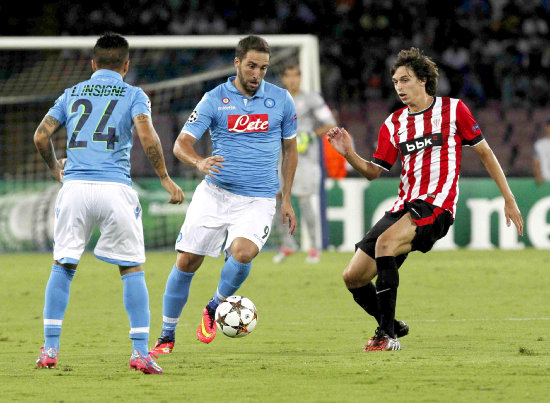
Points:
[[423, 67], [251, 42], [111, 51]]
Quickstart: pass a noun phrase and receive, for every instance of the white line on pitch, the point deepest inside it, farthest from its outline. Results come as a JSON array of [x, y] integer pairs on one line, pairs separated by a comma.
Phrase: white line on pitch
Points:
[[475, 320]]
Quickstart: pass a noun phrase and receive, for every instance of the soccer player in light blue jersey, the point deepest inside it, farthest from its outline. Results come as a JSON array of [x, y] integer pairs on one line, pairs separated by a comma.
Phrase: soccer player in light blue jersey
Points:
[[100, 115], [249, 121]]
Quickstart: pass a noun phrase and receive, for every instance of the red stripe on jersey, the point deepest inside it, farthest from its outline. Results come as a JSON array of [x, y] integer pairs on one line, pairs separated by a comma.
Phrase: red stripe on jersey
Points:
[[427, 157], [432, 141], [397, 126], [444, 155], [450, 201], [410, 177]]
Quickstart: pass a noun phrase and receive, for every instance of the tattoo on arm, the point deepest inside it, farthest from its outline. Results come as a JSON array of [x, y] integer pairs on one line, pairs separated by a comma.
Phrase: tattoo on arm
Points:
[[51, 121], [48, 155], [142, 117], [154, 153], [47, 127]]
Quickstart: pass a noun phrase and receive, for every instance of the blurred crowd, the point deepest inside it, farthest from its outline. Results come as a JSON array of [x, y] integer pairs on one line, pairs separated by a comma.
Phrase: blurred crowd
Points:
[[486, 49]]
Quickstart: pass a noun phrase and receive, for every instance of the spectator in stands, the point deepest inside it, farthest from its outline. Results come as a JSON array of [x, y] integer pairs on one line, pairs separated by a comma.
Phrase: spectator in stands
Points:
[[541, 158]]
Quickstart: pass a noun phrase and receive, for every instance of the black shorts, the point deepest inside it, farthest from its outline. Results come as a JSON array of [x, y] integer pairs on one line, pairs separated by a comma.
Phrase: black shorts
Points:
[[432, 222]]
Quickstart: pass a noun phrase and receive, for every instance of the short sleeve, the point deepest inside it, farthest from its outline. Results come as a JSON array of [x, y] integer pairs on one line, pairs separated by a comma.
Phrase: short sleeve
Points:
[[59, 111], [200, 119], [386, 153], [290, 121], [467, 127], [141, 104]]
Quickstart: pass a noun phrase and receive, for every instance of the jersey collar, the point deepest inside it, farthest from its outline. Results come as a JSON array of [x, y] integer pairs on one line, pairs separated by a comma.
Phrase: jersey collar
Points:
[[231, 87], [424, 110], [108, 73]]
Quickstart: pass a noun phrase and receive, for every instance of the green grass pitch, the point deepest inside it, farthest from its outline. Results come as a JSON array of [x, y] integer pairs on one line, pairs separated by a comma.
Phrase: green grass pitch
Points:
[[480, 331]]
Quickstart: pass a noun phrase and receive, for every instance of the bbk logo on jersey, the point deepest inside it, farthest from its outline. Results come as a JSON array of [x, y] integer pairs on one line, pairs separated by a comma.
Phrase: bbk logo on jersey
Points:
[[248, 123], [421, 143]]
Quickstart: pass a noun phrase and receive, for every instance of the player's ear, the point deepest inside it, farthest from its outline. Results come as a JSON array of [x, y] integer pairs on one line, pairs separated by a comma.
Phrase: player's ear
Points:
[[236, 62], [126, 67]]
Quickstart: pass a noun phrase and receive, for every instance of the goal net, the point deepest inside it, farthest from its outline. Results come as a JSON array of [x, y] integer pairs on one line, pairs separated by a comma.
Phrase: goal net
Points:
[[175, 71]]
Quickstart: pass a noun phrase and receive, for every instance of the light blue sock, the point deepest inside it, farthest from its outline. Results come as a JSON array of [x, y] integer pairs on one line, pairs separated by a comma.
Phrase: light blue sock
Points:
[[136, 302], [55, 303], [232, 277], [175, 297]]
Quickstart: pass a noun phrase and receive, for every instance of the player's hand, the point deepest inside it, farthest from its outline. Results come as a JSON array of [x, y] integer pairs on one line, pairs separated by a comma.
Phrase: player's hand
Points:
[[211, 165], [61, 163], [176, 194], [340, 139], [288, 214], [58, 171], [512, 213]]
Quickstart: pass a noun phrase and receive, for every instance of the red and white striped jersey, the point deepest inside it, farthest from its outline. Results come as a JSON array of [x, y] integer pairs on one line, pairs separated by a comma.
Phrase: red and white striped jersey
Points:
[[430, 145]]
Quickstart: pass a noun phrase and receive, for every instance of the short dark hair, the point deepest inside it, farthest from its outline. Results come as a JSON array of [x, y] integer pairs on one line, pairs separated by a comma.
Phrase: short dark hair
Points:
[[423, 67], [292, 66], [251, 42], [111, 51]]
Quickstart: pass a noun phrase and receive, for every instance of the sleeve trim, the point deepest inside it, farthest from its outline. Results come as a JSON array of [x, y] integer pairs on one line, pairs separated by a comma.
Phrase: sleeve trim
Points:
[[381, 163], [475, 141]]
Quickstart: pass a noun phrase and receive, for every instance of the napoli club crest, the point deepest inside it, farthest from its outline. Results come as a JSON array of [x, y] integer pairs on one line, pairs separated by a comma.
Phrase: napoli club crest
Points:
[[269, 102]]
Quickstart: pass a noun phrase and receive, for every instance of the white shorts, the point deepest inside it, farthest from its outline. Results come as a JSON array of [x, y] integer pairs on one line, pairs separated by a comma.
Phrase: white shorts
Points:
[[215, 215], [113, 207]]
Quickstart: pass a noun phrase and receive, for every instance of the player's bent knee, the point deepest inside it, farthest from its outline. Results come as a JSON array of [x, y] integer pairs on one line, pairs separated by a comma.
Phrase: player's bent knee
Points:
[[351, 279], [384, 247], [70, 266], [188, 262], [244, 255]]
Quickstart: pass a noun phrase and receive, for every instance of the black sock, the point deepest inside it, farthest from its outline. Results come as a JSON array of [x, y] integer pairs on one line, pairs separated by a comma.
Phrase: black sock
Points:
[[386, 292], [366, 298]]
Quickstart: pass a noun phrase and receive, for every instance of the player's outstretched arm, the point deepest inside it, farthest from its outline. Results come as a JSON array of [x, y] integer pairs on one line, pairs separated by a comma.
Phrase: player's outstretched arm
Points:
[[288, 169], [511, 210], [185, 152], [44, 145], [153, 149], [340, 139]]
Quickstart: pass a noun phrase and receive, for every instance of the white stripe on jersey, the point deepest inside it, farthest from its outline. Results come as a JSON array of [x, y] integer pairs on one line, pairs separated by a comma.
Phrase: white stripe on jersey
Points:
[[436, 152], [419, 132], [403, 133], [451, 171]]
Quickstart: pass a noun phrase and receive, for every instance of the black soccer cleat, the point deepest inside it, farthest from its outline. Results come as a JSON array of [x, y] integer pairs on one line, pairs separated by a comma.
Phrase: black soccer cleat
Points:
[[401, 329]]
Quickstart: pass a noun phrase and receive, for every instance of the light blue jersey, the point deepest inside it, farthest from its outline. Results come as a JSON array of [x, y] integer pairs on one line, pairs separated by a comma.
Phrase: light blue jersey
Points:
[[98, 114], [247, 132]]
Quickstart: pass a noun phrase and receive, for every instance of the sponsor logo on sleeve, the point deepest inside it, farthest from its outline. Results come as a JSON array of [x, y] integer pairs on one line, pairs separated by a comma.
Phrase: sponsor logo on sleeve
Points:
[[248, 123], [193, 117], [475, 128]]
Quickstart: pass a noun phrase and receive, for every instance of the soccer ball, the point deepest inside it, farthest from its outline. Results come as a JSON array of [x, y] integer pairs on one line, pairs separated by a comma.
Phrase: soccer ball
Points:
[[236, 316]]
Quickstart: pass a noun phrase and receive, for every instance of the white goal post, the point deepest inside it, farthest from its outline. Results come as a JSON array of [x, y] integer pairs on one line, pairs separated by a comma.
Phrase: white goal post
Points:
[[174, 70], [308, 46]]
